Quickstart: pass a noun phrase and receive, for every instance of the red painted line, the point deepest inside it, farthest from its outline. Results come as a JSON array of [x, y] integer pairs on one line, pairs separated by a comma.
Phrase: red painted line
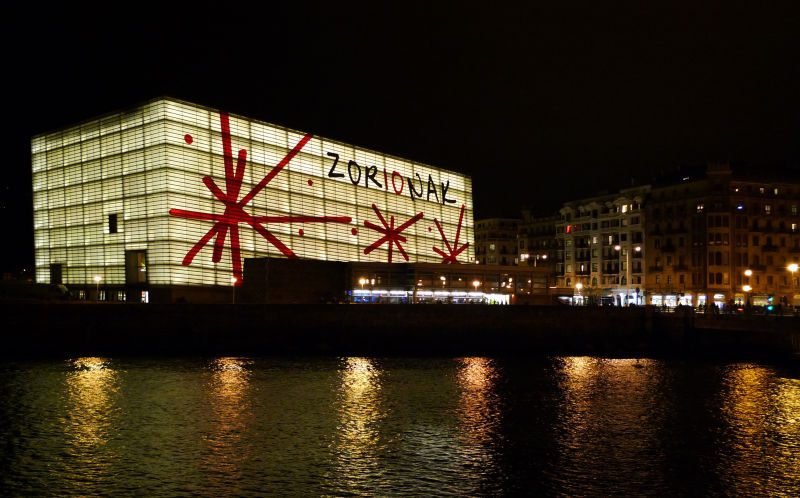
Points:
[[227, 153], [301, 219], [236, 255], [277, 169], [460, 220], [194, 215], [219, 244], [187, 260], [272, 239]]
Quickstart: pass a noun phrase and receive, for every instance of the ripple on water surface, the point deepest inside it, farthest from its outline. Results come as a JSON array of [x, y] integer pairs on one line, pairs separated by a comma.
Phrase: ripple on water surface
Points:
[[365, 426]]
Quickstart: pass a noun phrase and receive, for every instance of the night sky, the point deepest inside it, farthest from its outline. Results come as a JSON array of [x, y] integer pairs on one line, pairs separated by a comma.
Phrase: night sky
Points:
[[539, 104]]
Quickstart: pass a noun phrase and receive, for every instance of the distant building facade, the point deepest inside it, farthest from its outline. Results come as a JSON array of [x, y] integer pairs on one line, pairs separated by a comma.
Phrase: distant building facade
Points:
[[724, 239], [170, 197], [602, 248], [496, 241], [536, 241]]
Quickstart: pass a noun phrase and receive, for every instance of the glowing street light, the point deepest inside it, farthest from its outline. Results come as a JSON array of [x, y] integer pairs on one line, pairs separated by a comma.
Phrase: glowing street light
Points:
[[627, 270], [234, 281], [97, 279], [476, 284], [792, 268], [746, 288], [748, 273]]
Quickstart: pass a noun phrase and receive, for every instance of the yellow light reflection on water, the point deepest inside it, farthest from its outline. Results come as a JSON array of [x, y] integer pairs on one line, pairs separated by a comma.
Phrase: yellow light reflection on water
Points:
[[478, 406], [761, 411], [90, 423], [607, 412], [90, 386], [358, 433], [228, 398]]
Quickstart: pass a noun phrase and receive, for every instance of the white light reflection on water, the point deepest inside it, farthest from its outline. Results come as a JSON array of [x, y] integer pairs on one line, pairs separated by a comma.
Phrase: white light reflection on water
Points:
[[761, 415], [230, 404], [358, 432], [89, 423]]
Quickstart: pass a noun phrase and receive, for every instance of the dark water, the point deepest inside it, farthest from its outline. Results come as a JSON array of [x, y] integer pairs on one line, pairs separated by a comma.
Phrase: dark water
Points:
[[469, 426]]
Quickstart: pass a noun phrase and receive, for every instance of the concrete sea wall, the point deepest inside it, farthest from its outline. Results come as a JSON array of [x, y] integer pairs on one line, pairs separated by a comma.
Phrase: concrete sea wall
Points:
[[72, 329]]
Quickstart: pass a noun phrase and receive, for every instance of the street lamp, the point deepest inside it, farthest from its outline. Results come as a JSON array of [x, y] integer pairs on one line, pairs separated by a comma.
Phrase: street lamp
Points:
[[476, 283], [234, 281], [746, 288], [578, 288], [792, 268], [97, 279], [627, 270]]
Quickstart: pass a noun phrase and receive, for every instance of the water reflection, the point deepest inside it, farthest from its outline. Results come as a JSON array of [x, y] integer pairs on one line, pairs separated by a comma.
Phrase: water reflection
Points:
[[358, 431], [609, 421], [464, 427], [91, 387], [478, 406], [478, 420], [761, 415], [229, 401]]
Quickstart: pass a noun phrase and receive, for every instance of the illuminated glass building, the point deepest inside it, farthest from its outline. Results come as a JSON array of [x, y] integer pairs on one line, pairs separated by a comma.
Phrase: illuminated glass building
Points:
[[166, 200]]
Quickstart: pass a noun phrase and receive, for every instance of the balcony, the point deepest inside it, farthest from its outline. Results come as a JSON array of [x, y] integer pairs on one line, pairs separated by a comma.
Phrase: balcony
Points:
[[769, 248], [655, 269], [668, 248], [680, 267]]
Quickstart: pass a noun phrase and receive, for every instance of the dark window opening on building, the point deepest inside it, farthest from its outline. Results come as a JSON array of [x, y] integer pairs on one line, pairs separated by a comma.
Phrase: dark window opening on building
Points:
[[136, 267], [56, 273], [112, 223]]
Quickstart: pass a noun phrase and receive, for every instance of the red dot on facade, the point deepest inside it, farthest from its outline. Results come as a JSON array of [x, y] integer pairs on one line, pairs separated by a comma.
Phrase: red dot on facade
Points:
[[310, 183], [429, 229], [301, 232], [354, 231], [188, 139]]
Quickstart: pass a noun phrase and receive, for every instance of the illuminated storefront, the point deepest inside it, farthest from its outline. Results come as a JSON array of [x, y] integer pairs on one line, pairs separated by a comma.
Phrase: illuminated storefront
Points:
[[175, 194]]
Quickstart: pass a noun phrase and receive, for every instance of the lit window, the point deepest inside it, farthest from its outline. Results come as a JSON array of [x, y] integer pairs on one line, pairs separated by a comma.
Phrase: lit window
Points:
[[767, 209], [700, 208], [761, 190]]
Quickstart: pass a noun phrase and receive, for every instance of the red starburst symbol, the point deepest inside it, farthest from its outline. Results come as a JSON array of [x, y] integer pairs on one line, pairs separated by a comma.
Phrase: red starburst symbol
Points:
[[234, 209], [391, 234], [452, 251]]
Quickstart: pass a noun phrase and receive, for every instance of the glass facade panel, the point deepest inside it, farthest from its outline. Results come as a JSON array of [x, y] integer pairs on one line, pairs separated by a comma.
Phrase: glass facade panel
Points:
[[314, 198]]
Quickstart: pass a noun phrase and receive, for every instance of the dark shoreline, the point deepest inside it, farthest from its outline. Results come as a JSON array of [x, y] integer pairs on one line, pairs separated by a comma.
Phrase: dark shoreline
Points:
[[47, 330]]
